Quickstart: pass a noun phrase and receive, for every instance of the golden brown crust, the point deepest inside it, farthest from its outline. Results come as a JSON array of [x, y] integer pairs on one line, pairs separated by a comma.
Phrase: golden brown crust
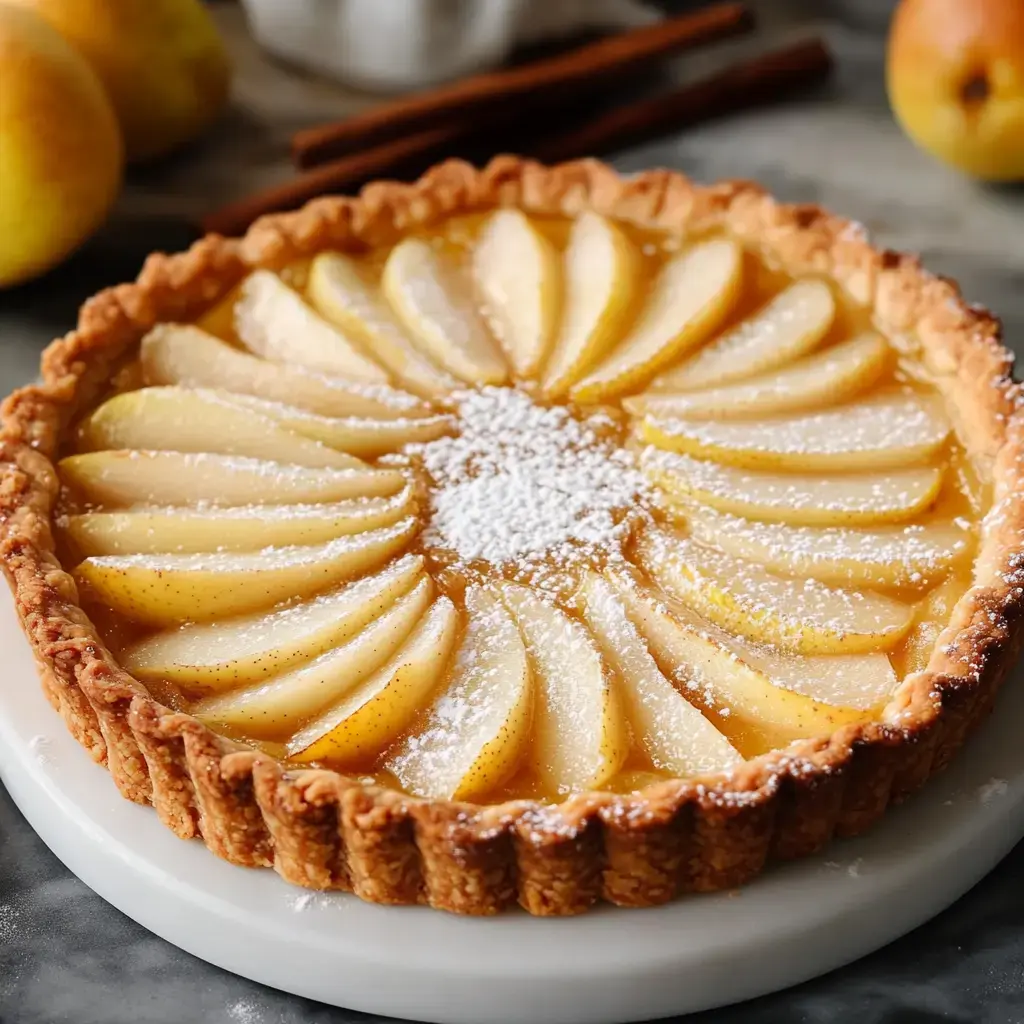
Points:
[[324, 831]]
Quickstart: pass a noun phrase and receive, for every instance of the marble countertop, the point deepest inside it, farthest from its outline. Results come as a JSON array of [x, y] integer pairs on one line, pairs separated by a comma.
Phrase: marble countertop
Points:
[[66, 956]]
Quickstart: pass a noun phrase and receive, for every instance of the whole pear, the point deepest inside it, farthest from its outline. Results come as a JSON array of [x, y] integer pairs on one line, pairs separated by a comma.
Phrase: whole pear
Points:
[[61, 155], [162, 61], [955, 76]]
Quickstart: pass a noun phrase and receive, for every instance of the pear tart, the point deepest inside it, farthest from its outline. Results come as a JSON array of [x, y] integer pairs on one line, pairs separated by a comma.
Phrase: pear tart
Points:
[[526, 534]]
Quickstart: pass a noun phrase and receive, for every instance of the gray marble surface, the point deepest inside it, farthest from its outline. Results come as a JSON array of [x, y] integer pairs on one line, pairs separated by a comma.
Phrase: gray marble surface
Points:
[[66, 956]]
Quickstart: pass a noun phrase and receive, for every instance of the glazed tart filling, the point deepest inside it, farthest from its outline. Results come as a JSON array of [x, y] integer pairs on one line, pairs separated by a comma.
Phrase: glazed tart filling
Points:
[[522, 507]]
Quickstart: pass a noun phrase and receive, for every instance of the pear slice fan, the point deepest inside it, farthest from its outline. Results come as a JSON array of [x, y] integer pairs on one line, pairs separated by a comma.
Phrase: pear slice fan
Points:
[[253, 504]]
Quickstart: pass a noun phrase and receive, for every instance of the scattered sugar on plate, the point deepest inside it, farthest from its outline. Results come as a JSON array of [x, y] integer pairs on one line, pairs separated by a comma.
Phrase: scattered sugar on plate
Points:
[[40, 746], [245, 1011], [302, 902], [992, 790], [307, 901], [9, 915]]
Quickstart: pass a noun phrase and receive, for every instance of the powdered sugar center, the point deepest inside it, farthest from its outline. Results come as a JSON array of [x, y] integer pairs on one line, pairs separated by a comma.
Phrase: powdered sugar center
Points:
[[521, 481]]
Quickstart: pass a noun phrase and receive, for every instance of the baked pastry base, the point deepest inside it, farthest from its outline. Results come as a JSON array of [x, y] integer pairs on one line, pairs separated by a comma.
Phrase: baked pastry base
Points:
[[322, 830]]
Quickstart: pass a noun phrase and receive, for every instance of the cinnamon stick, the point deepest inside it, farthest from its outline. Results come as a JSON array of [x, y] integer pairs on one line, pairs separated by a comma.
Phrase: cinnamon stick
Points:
[[337, 176], [753, 83], [747, 85], [471, 99]]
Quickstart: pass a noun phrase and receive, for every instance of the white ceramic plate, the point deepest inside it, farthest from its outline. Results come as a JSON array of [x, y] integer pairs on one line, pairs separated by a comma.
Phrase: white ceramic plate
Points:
[[611, 965]]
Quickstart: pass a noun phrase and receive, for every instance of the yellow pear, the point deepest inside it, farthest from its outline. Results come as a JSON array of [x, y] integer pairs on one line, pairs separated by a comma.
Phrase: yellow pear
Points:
[[162, 62], [61, 154], [955, 76]]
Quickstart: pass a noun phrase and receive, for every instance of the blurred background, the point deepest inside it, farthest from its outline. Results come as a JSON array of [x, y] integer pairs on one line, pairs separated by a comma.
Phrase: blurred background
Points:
[[129, 125], [208, 96]]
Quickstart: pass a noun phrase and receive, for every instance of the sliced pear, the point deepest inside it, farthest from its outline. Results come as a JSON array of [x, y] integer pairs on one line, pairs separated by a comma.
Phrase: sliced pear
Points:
[[176, 354], [675, 735], [223, 655], [887, 556], [274, 322], [885, 432], [151, 530], [178, 478], [165, 589], [932, 616], [803, 616], [854, 499], [343, 294], [479, 728], [860, 681], [275, 708], [693, 294], [519, 274], [437, 310], [745, 702], [789, 326], [356, 435], [633, 780], [580, 735], [818, 380], [219, 319], [601, 269], [186, 420], [382, 706]]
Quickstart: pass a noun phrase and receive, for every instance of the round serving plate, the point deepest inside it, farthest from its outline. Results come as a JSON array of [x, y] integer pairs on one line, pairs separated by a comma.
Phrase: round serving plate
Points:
[[611, 965]]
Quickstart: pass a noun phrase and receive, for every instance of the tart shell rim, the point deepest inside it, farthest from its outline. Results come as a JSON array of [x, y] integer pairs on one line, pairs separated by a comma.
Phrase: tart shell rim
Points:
[[324, 830]]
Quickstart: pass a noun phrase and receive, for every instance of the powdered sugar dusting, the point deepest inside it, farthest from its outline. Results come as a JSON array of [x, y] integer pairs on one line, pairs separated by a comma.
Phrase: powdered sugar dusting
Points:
[[523, 481]]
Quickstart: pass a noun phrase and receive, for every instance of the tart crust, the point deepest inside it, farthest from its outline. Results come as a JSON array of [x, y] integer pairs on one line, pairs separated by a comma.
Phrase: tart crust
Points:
[[322, 830]]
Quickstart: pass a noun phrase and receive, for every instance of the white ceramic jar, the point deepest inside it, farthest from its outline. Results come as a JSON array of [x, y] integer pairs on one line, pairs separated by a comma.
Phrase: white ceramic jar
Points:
[[398, 45]]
